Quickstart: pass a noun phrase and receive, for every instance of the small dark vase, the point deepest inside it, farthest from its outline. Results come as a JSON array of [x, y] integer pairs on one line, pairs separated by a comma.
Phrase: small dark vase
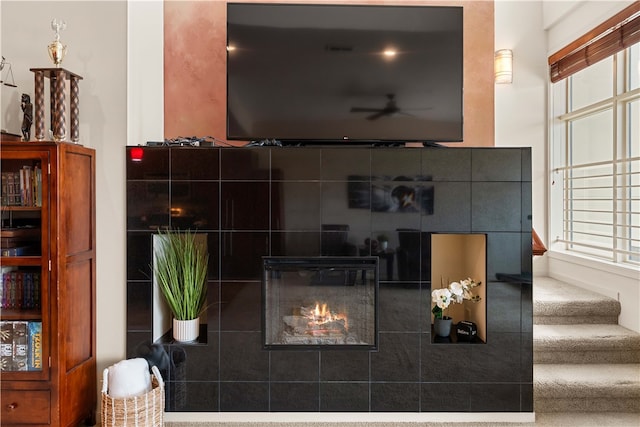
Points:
[[442, 327]]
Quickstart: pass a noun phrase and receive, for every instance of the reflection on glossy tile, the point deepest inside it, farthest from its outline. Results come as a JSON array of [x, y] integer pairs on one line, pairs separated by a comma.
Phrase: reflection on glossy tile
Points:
[[344, 397], [294, 202], [446, 397], [294, 397], [153, 166], [296, 164], [244, 397], [398, 358], [395, 397], [194, 163], [240, 306], [295, 365]]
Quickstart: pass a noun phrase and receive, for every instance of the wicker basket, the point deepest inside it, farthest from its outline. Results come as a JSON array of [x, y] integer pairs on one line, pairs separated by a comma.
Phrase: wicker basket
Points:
[[146, 410]]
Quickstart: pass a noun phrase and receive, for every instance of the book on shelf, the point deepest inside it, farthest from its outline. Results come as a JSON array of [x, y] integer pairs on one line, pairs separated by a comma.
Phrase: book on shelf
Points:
[[35, 346], [20, 345], [20, 290], [22, 188], [6, 345]]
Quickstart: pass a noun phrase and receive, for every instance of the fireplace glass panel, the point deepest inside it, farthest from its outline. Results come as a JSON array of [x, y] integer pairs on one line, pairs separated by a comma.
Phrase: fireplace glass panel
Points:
[[320, 302]]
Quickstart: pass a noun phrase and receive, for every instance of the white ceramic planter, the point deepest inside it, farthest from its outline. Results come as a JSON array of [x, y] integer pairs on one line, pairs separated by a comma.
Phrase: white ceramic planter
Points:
[[186, 330]]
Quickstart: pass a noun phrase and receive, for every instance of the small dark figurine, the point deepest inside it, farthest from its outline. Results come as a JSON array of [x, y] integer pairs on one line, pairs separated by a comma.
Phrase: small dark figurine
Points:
[[27, 119]]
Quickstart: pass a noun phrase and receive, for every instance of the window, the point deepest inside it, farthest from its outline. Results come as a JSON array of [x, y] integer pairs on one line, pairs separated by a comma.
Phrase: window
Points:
[[595, 196]]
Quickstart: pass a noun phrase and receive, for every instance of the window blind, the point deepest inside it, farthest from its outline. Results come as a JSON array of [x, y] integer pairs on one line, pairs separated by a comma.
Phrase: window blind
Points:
[[617, 33]]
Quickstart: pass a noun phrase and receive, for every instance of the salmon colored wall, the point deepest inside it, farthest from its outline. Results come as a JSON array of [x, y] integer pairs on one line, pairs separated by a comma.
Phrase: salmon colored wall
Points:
[[195, 67]]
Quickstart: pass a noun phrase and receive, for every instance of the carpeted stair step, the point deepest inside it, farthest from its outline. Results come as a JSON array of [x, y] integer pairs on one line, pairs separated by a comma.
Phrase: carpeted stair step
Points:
[[586, 388], [560, 303], [585, 344]]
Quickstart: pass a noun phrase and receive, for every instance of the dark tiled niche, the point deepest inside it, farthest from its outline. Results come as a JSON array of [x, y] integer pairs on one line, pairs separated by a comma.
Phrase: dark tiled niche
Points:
[[274, 201]]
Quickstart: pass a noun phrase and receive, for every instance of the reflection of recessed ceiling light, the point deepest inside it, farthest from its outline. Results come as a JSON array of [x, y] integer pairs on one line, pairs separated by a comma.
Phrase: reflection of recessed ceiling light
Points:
[[231, 48], [389, 53]]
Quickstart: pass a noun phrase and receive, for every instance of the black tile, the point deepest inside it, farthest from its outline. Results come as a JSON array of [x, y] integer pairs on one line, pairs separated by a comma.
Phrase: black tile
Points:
[[295, 243], [495, 397], [339, 164], [451, 208], [447, 165], [399, 308], [527, 308], [496, 164], [157, 355], [244, 205], [503, 307], [395, 397], [526, 357], [399, 164], [295, 366], [199, 362], [503, 254], [527, 207], [240, 306], [296, 164], [245, 164], [525, 152], [244, 397], [440, 362], [137, 339], [194, 205], [496, 361], [295, 206], [139, 305], [139, 250], [294, 397], [348, 365], [398, 357], [241, 255], [344, 397], [337, 210], [212, 311], [147, 205], [445, 397], [242, 357], [526, 397], [191, 396], [194, 163], [496, 206], [154, 164]]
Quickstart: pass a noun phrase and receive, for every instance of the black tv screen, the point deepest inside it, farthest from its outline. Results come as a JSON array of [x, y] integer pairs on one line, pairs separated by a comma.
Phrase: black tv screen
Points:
[[309, 73]]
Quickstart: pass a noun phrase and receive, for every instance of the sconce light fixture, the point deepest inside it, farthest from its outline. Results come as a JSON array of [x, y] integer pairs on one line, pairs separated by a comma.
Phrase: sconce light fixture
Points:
[[6, 76], [503, 66]]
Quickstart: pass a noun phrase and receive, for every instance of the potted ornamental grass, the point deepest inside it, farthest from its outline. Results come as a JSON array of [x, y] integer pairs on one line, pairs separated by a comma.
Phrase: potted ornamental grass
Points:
[[180, 269]]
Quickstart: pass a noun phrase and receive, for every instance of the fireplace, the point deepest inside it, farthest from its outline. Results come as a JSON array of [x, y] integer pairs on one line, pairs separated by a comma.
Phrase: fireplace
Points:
[[320, 302]]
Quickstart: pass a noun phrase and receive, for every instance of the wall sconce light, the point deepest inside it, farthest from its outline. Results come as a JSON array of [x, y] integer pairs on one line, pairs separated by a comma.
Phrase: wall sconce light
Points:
[[503, 66]]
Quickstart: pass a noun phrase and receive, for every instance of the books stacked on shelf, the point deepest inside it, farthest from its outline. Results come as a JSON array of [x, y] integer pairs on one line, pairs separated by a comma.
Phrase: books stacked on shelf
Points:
[[20, 345], [19, 290], [19, 241], [22, 188]]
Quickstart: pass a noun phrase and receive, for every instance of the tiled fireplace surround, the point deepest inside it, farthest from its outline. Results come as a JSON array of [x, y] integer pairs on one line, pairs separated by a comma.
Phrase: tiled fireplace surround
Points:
[[261, 201]]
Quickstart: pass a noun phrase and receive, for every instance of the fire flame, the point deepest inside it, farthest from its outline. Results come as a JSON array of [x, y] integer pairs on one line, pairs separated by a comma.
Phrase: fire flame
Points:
[[321, 316]]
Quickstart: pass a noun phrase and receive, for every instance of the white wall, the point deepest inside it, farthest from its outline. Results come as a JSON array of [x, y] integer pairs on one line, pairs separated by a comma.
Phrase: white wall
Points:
[[520, 107], [97, 49]]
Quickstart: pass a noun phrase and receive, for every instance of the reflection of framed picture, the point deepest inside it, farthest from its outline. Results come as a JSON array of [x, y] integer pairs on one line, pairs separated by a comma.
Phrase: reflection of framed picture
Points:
[[401, 196], [180, 186]]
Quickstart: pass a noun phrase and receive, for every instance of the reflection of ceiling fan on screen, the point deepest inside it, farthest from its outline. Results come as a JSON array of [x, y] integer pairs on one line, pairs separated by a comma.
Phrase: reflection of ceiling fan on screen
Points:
[[390, 108]]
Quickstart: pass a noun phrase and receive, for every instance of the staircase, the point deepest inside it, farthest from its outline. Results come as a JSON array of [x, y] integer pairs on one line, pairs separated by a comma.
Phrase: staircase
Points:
[[583, 360]]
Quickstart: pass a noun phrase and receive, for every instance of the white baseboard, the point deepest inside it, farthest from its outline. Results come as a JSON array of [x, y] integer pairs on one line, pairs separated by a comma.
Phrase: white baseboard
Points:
[[351, 417]]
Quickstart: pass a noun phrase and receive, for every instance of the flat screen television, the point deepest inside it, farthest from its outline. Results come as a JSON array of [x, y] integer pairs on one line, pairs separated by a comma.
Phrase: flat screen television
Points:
[[321, 73]]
